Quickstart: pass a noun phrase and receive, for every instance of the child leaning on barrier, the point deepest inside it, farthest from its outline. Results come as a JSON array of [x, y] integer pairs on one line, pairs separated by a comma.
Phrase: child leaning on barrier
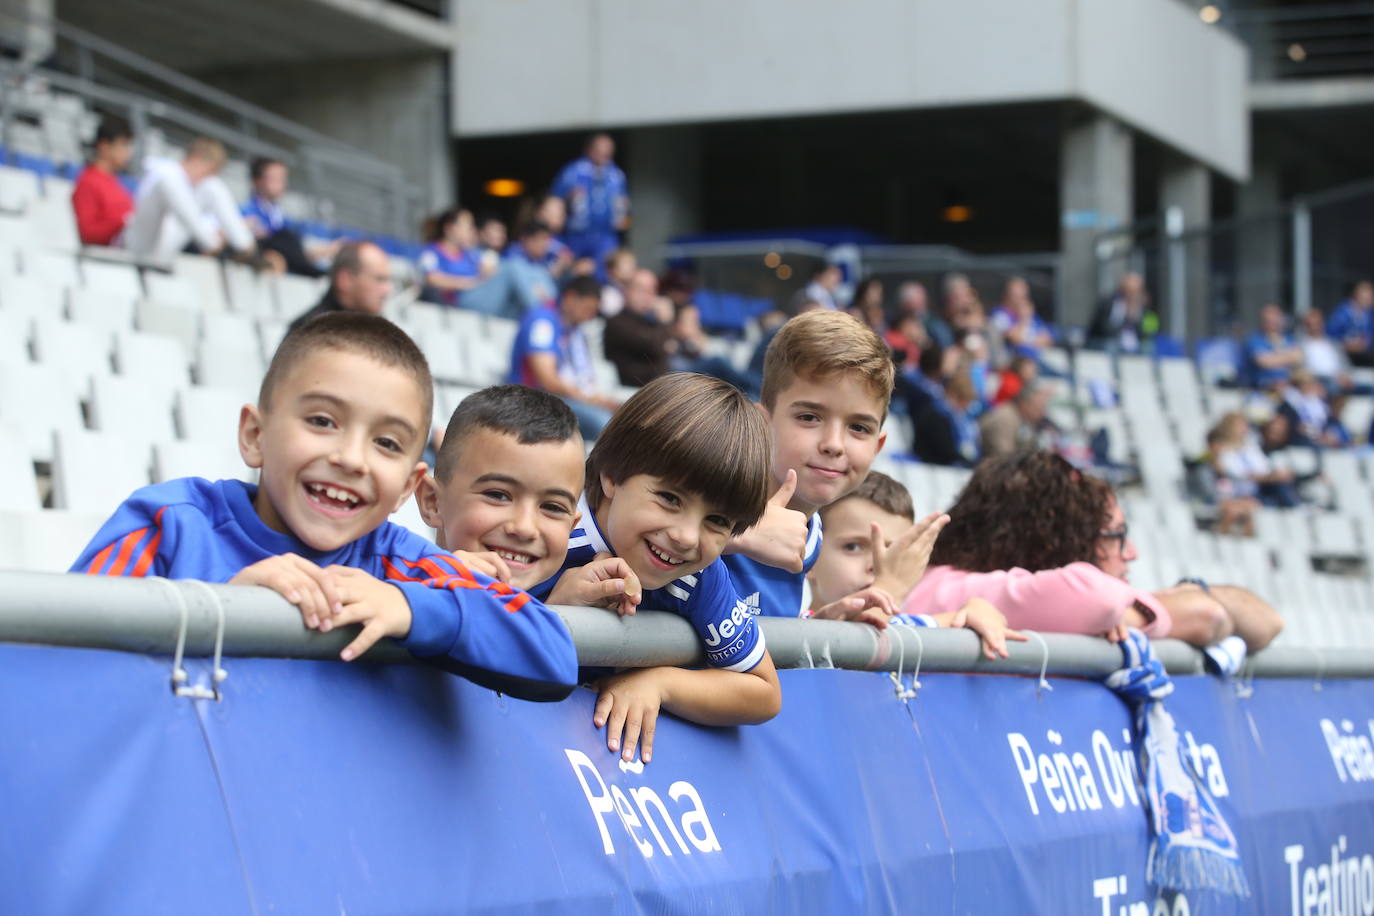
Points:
[[681, 467], [827, 381], [505, 491], [337, 432], [871, 534]]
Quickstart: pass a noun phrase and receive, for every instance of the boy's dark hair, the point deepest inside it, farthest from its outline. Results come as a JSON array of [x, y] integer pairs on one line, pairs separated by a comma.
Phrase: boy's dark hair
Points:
[[884, 492], [442, 221], [112, 127], [260, 165], [692, 431], [488, 217], [583, 286], [371, 335], [535, 227], [529, 414]]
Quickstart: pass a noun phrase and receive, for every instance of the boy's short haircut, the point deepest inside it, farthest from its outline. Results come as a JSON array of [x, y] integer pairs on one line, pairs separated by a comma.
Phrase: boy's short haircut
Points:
[[260, 165], [823, 344], [528, 414], [885, 493], [535, 227], [208, 149], [584, 287], [371, 335], [113, 127], [693, 431]]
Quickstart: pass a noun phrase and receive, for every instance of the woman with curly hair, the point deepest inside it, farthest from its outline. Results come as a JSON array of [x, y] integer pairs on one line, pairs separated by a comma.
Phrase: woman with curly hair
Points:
[[1049, 547]]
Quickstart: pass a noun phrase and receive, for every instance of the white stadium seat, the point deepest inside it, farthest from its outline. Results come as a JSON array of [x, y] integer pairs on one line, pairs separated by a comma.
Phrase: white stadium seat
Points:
[[172, 460], [81, 352], [97, 308], [210, 416], [133, 408], [18, 485], [94, 472], [47, 540], [112, 279], [152, 358], [170, 320]]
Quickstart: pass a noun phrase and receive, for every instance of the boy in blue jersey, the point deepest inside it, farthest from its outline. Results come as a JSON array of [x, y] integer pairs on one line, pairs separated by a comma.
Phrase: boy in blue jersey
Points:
[[337, 432], [827, 380], [681, 467], [868, 535], [505, 491]]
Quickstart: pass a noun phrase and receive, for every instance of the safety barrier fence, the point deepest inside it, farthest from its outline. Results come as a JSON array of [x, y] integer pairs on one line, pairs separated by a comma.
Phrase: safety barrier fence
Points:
[[315, 786]]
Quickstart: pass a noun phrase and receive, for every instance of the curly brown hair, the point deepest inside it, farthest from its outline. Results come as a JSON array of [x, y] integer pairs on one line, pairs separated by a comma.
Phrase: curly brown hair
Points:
[[1029, 509]]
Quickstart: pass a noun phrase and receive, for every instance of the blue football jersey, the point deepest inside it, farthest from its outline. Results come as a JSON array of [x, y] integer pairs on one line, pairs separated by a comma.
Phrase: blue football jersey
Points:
[[771, 591]]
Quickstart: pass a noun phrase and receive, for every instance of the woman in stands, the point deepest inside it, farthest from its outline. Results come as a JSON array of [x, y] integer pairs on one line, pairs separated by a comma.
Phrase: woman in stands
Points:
[[450, 263], [1049, 547]]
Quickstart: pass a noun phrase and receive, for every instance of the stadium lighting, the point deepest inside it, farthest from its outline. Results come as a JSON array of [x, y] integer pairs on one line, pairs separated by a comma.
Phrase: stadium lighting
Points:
[[504, 187], [784, 272], [1297, 53], [1209, 14], [958, 213], [772, 259]]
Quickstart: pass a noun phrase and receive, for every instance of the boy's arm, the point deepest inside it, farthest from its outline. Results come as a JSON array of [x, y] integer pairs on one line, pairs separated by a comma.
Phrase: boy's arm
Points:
[[130, 543], [486, 631]]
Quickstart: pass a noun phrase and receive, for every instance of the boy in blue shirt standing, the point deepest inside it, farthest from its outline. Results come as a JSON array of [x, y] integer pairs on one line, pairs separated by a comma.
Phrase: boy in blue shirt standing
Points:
[[337, 432]]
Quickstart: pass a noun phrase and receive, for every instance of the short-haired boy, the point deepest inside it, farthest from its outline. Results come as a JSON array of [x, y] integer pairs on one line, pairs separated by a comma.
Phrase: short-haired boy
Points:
[[679, 470], [827, 380], [504, 496], [867, 534], [337, 432]]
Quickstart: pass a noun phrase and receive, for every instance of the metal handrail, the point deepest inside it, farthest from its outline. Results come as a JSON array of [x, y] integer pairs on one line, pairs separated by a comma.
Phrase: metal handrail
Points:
[[139, 615]]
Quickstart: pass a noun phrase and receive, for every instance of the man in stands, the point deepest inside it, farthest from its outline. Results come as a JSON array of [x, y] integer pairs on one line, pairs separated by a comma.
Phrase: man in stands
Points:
[[101, 202], [639, 338], [1124, 321], [182, 202], [824, 282], [1352, 323], [265, 218], [1015, 423], [359, 281], [598, 200], [912, 300]]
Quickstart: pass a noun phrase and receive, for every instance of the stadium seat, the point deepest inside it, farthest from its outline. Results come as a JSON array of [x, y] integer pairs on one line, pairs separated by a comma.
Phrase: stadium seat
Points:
[[173, 290], [18, 188], [112, 279], [47, 540], [32, 296], [295, 295], [18, 486], [36, 400], [205, 276], [230, 330], [271, 330], [99, 309], [248, 291], [50, 267], [81, 351], [16, 329], [152, 358], [132, 408], [169, 319], [172, 460], [95, 472], [54, 221], [210, 416], [234, 368]]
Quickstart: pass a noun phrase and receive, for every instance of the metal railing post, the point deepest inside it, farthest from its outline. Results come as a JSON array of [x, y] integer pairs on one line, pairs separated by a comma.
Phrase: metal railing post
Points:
[[1302, 257], [1177, 260]]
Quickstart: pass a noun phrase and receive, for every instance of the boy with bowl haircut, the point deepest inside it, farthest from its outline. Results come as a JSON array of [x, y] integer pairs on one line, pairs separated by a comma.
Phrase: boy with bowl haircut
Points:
[[505, 491], [338, 432], [681, 467], [827, 380], [868, 534]]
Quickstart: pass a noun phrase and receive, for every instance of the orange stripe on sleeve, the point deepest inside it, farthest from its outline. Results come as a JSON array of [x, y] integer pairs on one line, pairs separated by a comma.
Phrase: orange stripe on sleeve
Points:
[[126, 549], [145, 559], [100, 560]]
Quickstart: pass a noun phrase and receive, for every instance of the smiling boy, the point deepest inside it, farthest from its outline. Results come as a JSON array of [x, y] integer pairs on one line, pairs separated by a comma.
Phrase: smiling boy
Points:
[[337, 432]]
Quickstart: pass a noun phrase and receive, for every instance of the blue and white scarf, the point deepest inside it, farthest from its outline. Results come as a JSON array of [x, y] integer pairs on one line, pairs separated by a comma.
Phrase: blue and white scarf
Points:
[[1193, 848]]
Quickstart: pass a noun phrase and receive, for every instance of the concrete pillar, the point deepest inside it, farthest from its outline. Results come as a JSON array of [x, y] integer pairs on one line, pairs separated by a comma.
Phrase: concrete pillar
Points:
[[1095, 196], [1185, 190], [663, 168], [1261, 259]]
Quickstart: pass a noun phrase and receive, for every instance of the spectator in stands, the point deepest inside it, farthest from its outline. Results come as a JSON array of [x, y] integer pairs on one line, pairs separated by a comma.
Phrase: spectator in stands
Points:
[[1020, 372], [825, 280], [337, 435], [655, 496], [598, 201], [101, 203], [944, 431], [927, 383], [1322, 356], [867, 305], [1124, 321], [907, 338], [621, 265], [913, 300], [1304, 403], [491, 239], [359, 281], [553, 212], [961, 302], [269, 225], [551, 353], [1246, 470], [1049, 547], [531, 284], [639, 338], [1352, 323], [183, 202], [1270, 353], [451, 264], [1015, 319], [1014, 424]]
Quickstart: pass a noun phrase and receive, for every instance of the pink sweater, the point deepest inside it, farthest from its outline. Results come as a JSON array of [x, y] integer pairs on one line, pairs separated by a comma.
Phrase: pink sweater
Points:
[[1078, 598]]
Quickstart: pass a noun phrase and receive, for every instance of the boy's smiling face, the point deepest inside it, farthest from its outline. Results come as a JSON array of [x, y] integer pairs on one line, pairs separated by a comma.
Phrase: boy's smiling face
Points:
[[846, 562], [518, 501], [338, 445], [663, 531], [828, 430]]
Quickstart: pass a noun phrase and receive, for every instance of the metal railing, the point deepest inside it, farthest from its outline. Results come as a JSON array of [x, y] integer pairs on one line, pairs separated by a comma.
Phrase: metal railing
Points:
[[346, 185], [145, 616]]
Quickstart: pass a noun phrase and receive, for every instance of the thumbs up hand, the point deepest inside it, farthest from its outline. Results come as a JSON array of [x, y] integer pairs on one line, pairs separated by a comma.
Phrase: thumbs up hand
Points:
[[779, 538]]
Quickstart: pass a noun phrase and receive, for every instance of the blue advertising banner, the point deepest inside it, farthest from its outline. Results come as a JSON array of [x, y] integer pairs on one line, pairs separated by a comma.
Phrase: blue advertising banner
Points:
[[316, 787]]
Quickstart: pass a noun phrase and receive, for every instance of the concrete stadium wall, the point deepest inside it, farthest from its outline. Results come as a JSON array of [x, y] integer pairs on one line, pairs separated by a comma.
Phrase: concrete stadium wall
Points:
[[580, 63]]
